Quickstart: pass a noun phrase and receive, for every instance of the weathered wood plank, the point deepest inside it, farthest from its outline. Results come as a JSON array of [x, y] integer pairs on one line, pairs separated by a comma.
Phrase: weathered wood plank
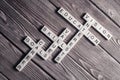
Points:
[[9, 55], [50, 67], [6, 69], [77, 8], [110, 8], [86, 6], [75, 68], [112, 46], [3, 77]]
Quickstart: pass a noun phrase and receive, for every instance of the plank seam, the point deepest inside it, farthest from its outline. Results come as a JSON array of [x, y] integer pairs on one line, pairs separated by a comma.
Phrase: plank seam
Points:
[[68, 54], [83, 68], [53, 4], [104, 13], [22, 53], [109, 54], [43, 69], [4, 76], [11, 41], [20, 49]]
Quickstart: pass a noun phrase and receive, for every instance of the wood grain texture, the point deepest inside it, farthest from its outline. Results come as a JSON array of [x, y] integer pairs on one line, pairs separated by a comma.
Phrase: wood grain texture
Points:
[[9, 56], [3, 77], [86, 6], [110, 8], [20, 30], [101, 51], [85, 61]]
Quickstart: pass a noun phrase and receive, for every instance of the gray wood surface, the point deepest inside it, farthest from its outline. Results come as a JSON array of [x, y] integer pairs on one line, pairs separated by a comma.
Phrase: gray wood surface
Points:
[[111, 8], [8, 61], [3, 77], [21, 18]]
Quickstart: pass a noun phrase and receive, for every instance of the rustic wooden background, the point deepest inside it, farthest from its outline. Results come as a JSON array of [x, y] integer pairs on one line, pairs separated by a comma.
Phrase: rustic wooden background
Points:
[[19, 18]]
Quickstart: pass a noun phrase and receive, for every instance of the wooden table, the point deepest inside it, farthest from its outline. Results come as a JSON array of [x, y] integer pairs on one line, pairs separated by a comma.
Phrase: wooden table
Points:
[[21, 18]]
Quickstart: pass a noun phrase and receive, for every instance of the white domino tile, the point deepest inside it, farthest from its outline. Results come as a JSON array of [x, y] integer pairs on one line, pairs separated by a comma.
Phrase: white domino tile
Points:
[[92, 38], [82, 28], [104, 32], [31, 54], [29, 42], [65, 33], [58, 42], [50, 50], [70, 18], [69, 46], [41, 52], [49, 33], [87, 17], [73, 41], [62, 45], [86, 26]]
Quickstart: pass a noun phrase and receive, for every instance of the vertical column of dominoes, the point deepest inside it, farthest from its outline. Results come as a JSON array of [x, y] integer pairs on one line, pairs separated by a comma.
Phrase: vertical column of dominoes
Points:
[[104, 32], [35, 47], [58, 42]]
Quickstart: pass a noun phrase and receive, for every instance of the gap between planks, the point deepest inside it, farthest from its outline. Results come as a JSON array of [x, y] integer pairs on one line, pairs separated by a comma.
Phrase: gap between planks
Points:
[[3, 77], [13, 64], [106, 16], [105, 13]]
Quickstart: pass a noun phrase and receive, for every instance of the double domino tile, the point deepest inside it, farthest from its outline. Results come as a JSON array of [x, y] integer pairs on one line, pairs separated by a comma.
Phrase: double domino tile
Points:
[[58, 41]]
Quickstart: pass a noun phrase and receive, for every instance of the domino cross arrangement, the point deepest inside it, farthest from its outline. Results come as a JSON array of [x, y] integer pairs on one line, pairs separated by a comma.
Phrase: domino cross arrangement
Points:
[[58, 41]]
